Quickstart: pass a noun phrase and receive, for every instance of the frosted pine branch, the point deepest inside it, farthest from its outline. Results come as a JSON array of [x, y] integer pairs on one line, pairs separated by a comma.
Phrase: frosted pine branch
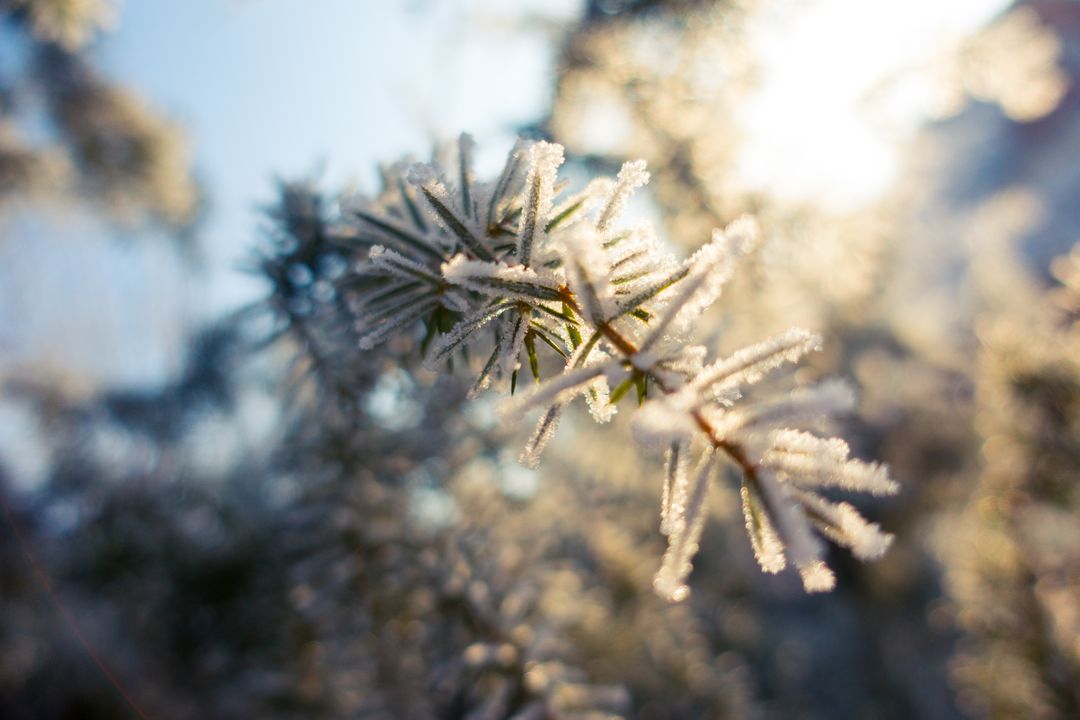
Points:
[[544, 161], [515, 274], [685, 524]]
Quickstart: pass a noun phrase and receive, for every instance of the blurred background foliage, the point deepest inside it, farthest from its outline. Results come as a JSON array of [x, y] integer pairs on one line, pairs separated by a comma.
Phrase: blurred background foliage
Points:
[[278, 525], [69, 133]]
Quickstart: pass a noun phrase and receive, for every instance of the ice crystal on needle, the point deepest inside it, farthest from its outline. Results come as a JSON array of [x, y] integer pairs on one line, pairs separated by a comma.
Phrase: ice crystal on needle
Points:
[[524, 276]]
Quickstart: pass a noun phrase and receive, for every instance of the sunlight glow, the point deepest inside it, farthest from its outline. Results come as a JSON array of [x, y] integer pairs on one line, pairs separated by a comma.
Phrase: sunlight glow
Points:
[[818, 127]]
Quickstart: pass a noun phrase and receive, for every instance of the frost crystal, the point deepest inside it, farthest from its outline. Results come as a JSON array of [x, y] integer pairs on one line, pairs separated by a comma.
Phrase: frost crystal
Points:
[[544, 160], [685, 525], [533, 277]]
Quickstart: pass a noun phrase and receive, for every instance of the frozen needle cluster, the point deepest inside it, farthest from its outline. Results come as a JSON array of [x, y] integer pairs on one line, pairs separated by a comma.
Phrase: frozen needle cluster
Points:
[[519, 271]]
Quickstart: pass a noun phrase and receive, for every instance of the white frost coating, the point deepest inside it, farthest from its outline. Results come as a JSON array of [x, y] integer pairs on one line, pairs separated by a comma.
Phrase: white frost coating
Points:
[[506, 186], [832, 450], [670, 580], [662, 422], [669, 371], [817, 577], [513, 340], [587, 272], [544, 161], [708, 270], [541, 436], [372, 336], [666, 378], [715, 264], [559, 389], [826, 399], [674, 484], [371, 307], [767, 546], [424, 175], [598, 399], [743, 234], [483, 380], [632, 175], [615, 373], [750, 364], [587, 352], [650, 293], [461, 331], [686, 361], [507, 334], [447, 210], [843, 524], [395, 231], [396, 264], [791, 524], [514, 282], [533, 258], [809, 461], [456, 301], [641, 252], [638, 288], [577, 207], [680, 495], [687, 288], [644, 361]]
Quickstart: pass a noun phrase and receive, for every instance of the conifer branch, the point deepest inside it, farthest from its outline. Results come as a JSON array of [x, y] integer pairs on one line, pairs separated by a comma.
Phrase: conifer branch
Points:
[[617, 311]]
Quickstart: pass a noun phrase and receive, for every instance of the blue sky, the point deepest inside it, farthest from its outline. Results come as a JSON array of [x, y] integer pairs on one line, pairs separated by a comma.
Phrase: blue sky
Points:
[[271, 88], [263, 89]]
